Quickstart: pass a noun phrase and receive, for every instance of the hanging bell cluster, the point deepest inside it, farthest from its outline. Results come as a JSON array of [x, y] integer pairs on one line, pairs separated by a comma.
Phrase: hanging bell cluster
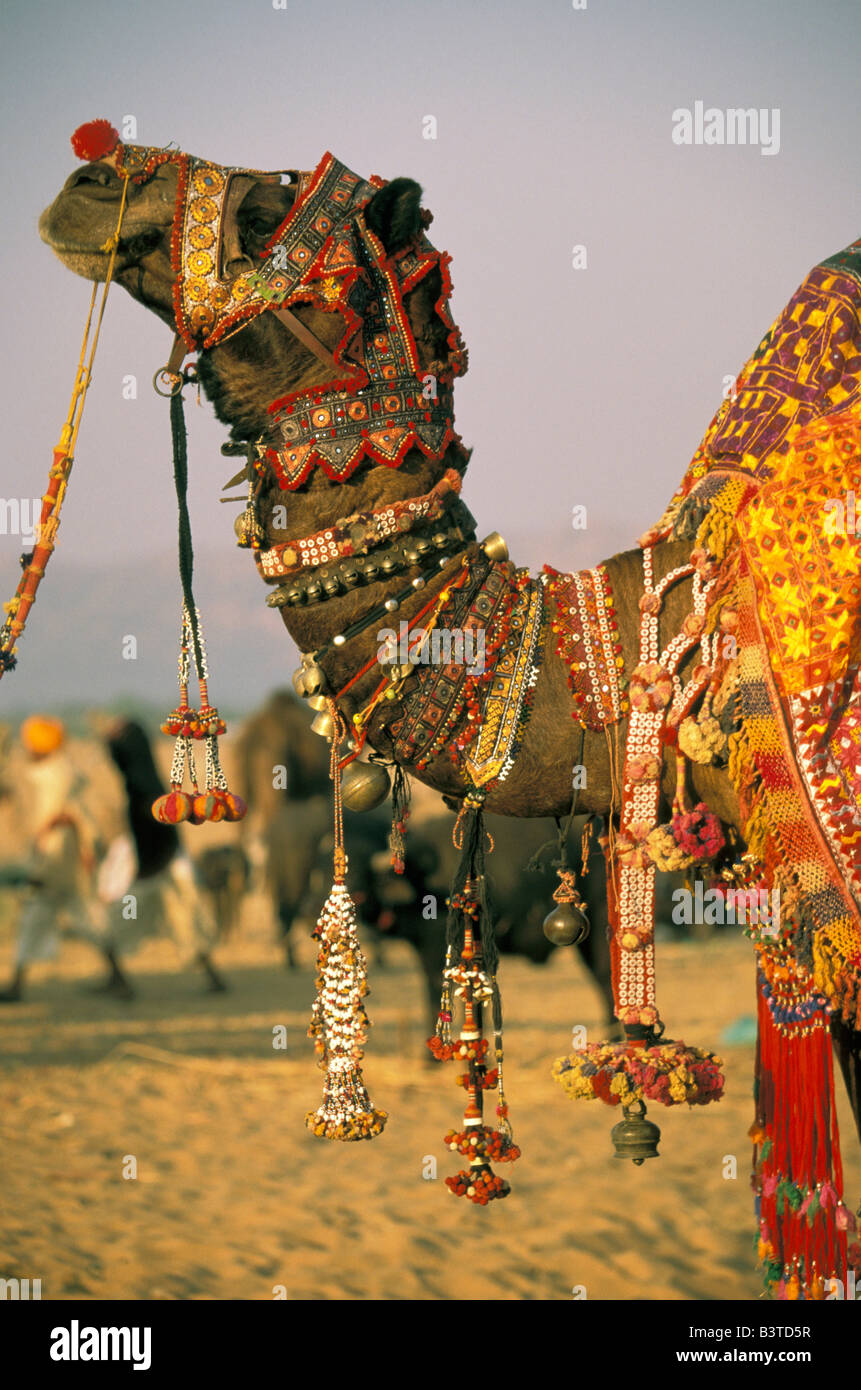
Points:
[[310, 682], [365, 785], [215, 802], [567, 924]]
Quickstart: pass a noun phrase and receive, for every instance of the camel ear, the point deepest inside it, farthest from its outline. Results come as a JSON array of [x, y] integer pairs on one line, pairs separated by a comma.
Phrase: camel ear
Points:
[[394, 214]]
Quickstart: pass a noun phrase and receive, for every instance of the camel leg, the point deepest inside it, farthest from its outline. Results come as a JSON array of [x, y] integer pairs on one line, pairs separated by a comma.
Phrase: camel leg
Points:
[[217, 983], [595, 950], [286, 917], [117, 982], [13, 994]]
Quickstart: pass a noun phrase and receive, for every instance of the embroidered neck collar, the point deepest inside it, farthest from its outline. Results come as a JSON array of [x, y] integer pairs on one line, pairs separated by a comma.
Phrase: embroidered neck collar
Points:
[[359, 533]]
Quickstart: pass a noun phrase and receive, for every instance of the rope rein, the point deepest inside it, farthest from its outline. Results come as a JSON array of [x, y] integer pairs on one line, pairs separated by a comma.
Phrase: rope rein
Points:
[[18, 607]]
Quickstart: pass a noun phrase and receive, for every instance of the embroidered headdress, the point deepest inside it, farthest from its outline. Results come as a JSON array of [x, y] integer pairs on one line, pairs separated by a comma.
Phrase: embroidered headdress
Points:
[[382, 404]]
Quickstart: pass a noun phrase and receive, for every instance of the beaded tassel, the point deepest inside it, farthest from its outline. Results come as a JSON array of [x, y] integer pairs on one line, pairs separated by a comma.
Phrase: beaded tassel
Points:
[[338, 1017], [215, 802], [643, 1067], [471, 983], [400, 816], [186, 724]]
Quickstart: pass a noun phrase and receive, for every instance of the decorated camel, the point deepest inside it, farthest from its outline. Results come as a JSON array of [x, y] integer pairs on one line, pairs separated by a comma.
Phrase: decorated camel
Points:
[[699, 692]]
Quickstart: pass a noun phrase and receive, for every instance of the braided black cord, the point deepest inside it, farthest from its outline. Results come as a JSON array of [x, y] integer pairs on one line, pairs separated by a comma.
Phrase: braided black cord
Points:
[[186, 550]]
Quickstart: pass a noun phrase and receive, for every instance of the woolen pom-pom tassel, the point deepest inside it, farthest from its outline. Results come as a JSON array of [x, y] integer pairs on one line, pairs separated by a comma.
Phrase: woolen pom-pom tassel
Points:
[[94, 139], [174, 807]]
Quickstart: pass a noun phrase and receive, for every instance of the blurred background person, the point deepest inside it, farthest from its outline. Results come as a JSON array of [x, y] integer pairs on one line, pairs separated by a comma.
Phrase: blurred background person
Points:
[[60, 868], [146, 882]]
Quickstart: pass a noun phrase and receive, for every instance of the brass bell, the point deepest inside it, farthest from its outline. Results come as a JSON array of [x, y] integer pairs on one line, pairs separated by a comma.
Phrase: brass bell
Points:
[[566, 925], [323, 724], [364, 786], [299, 681], [635, 1137], [247, 528], [317, 702], [495, 547], [309, 679]]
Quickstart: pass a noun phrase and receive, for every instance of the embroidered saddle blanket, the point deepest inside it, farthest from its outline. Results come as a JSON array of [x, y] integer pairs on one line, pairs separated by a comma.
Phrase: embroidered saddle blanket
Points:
[[773, 498]]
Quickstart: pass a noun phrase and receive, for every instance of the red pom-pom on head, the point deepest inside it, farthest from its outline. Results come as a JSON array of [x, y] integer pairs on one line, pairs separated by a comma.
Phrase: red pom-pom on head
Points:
[[95, 139]]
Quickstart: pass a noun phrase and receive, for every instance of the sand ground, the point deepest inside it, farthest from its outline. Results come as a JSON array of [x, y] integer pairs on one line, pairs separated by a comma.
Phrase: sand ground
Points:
[[234, 1197]]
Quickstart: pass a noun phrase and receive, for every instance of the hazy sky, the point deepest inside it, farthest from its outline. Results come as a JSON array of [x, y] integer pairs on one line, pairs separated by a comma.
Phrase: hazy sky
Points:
[[586, 387]]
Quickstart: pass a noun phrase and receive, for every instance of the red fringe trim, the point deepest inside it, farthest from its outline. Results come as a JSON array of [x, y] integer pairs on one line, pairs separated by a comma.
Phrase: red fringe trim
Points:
[[798, 1173], [367, 451]]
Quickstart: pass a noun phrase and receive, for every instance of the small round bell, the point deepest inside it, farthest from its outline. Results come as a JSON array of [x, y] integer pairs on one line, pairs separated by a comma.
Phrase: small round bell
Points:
[[635, 1137], [494, 547], [247, 528], [364, 786], [309, 680], [566, 925], [323, 724]]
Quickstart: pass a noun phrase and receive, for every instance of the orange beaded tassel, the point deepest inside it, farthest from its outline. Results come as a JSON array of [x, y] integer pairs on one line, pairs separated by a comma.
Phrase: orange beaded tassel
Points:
[[215, 802], [470, 981]]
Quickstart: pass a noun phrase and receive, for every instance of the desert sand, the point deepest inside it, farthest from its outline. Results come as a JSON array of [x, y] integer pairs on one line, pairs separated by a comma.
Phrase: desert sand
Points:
[[235, 1199]]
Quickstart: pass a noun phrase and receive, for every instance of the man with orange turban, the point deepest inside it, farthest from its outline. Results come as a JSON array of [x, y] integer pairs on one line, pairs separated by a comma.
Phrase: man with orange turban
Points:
[[59, 868]]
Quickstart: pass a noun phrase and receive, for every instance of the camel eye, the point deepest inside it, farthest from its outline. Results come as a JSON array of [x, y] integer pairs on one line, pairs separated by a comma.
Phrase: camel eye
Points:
[[263, 225]]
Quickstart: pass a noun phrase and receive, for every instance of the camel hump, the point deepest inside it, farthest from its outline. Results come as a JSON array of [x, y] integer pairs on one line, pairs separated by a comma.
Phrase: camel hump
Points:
[[805, 368]]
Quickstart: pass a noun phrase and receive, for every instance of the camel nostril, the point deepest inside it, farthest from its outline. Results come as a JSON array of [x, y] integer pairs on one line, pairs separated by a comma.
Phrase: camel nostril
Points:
[[94, 176]]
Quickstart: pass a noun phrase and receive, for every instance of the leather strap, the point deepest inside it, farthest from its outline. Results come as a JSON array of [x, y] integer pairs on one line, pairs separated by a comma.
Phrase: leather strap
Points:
[[294, 325], [308, 339], [178, 354]]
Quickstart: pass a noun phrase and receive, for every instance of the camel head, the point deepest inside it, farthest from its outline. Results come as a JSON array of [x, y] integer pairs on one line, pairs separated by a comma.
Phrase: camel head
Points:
[[194, 233], [80, 221], [316, 305]]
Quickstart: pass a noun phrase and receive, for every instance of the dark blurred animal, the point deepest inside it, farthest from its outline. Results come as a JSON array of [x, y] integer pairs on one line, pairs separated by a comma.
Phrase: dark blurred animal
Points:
[[159, 881], [223, 875], [283, 770], [412, 907], [285, 779]]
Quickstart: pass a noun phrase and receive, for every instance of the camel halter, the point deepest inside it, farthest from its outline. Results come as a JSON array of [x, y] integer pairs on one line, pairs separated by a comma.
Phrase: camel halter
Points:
[[35, 564], [380, 402]]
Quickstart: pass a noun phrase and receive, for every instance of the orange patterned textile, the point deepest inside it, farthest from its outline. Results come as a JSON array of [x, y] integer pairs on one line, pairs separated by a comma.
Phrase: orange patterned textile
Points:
[[808, 365], [771, 502], [773, 498], [802, 709]]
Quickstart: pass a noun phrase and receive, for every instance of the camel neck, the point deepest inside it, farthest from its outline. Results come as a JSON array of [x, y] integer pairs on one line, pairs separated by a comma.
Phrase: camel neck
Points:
[[364, 620]]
